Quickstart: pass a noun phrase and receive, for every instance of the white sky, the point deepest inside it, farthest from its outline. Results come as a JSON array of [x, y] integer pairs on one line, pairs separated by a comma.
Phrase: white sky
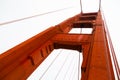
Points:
[[15, 33], [65, 66]]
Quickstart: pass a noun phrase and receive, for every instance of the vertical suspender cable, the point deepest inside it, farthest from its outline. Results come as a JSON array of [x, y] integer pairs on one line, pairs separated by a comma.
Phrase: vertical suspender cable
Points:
[[73, 73], [68, 68], [79, 53], [73, 67], [80, 30], [78, 66], [50, 65], [75, 76], [81, 6], [99, 5], [61, 67]]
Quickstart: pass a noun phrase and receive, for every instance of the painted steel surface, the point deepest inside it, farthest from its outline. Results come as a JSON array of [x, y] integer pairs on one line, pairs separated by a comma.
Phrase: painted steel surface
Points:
[[19, 62]]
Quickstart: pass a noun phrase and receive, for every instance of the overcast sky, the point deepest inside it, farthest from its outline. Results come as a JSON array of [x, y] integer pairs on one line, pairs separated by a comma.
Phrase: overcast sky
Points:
[[15, 33]]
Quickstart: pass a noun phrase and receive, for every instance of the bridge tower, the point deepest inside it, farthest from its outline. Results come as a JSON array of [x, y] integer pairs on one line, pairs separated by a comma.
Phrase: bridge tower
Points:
[[98, 57]]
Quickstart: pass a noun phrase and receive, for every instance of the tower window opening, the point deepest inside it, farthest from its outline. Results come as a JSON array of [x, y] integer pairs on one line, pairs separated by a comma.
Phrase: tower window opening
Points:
[[81, 31]]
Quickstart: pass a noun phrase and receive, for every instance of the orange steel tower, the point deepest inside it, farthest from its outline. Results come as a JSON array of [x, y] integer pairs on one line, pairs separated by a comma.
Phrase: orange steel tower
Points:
[[19, 62]]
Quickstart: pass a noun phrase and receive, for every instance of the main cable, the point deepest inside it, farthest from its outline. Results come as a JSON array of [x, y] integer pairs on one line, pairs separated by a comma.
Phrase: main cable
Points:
[[29, 17]]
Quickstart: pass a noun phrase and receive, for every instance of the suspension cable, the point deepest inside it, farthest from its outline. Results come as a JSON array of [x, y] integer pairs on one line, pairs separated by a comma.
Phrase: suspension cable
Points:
[[50, 65], [75, 72], [81, 6], [80, 30], [99, 5], [68, 68], [112, 50], [79, 66], [29, 17], [62, 66], [72, 70]]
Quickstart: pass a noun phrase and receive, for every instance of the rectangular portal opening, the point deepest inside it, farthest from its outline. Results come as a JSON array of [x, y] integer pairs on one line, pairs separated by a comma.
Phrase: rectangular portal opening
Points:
[[81, 31], [64, 64]]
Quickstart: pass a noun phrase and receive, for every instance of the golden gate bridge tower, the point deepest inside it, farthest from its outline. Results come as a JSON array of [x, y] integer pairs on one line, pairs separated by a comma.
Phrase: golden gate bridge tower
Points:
[[99, 60]]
